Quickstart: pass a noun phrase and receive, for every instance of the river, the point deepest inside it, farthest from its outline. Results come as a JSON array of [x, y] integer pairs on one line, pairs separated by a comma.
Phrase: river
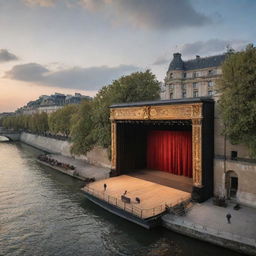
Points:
[[43, 212]]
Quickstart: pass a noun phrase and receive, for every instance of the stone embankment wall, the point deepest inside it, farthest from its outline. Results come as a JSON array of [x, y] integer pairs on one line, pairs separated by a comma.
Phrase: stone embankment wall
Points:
[[242, 245], [97, 156]]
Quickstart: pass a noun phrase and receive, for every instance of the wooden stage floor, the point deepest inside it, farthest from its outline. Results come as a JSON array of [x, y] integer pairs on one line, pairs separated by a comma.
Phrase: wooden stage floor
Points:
[[164, 178], [153, 197]]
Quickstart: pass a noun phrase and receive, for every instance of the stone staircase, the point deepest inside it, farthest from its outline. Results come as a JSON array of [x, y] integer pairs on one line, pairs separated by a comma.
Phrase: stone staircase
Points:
[[182, 208]]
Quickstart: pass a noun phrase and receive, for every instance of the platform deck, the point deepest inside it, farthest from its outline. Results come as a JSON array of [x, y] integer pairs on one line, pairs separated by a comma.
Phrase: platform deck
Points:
[[153, 197], [164, 178]]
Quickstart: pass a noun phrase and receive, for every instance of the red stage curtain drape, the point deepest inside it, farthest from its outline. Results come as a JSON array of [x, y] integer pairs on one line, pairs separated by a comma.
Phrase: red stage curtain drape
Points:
[[170, 151]]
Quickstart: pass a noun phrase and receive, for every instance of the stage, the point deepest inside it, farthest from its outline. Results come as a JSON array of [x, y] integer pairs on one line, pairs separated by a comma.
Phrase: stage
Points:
[[164, 178], [153, 197]]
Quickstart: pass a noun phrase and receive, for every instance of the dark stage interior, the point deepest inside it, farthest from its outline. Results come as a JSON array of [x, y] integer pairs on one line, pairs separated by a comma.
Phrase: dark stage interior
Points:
[[155, 151]]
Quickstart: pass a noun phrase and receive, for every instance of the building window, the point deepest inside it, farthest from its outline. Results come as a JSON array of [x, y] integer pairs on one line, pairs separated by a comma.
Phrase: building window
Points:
[[212, 72], [210, 83], [195, 85], [233, 155], [171, 75], [171, 95], [171, 86], [183, 87], [197, 74], [184, 75], [210, 93], [195, 93], [184, 94], [194, 74]]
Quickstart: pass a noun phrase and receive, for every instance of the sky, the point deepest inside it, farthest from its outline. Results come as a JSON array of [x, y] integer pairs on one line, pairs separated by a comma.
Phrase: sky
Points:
[[69, 46]]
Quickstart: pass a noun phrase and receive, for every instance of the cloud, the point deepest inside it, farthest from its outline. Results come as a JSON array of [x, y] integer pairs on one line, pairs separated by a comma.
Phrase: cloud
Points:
[[42, 3], [5, 56], [161, 14], [151, 14], [91, 78], [162, 60], [211, 46]]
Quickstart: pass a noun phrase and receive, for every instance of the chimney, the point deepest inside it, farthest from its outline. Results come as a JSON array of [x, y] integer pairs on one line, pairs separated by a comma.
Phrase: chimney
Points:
[[197, 57], [177, 55]]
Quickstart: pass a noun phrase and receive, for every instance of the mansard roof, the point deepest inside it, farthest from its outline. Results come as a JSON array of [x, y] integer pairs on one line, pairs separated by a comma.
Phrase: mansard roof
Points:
[[198, 63]]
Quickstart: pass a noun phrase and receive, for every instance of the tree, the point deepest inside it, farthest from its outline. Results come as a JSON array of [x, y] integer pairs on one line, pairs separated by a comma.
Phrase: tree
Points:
[[238, 97], [81, 133], [37, 123], [139, 86], [60, 121]]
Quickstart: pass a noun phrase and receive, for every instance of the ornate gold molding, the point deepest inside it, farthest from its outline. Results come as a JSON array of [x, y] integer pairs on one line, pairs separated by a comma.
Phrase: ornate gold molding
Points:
[[113, 145], [165, 112], [197, 152], [162, 112]]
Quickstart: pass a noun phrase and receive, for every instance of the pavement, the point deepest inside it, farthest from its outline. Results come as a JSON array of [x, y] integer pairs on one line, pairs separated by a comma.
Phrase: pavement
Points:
[[212, 219], [83, 168]]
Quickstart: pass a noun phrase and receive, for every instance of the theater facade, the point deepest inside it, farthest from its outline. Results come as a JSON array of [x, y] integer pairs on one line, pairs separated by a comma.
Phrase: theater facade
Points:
[[174, 137]]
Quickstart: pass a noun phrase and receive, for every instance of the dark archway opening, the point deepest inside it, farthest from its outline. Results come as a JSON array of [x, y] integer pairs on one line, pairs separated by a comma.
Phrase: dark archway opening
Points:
[[231, 184]]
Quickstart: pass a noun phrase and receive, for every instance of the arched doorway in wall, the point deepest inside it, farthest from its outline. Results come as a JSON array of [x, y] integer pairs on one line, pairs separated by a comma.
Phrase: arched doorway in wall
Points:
[[231, 184]]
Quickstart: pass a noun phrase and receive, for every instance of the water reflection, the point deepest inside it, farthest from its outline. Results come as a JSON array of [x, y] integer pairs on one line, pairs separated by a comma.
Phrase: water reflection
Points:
[[43, 212]]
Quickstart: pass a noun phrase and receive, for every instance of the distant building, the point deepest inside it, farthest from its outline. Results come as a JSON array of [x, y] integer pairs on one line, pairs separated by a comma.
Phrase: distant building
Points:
[[192, 78], [5, 114], [49, 104]]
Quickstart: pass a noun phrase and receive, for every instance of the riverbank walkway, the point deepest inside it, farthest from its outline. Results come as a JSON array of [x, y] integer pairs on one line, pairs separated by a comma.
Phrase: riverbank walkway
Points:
[[82, 168], [209, 222]]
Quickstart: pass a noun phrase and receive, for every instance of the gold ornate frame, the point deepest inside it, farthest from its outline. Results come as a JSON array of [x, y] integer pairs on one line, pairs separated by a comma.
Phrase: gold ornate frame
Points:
[[164, 112]]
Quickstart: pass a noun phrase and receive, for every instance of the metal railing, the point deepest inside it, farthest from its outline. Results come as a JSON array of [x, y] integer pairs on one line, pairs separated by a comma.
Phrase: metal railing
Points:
[[142, 213]]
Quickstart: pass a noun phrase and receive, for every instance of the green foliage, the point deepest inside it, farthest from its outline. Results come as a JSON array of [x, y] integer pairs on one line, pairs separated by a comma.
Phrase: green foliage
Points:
[[60, 121], [139, 86], [238, 97], [36, 123], [88, 123], [82, 128]]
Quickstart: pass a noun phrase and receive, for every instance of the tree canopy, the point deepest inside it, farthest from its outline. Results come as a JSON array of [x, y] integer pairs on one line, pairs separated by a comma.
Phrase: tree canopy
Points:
[[238, 97], [60, 120], [139, 86]]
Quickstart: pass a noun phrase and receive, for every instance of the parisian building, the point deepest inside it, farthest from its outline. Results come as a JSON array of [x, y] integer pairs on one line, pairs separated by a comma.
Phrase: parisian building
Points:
[[234, 168], [192, 78]]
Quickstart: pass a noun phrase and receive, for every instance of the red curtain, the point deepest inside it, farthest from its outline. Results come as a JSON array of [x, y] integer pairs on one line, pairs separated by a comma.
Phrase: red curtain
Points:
[[170, 151]]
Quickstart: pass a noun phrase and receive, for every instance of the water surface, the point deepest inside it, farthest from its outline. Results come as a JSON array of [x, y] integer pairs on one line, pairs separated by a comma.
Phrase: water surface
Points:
[[43, 212]]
